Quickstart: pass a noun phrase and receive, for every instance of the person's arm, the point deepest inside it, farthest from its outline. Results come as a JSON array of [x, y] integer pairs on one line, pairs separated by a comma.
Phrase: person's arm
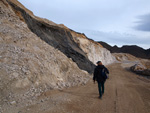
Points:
[[106, 70], [95, 73]]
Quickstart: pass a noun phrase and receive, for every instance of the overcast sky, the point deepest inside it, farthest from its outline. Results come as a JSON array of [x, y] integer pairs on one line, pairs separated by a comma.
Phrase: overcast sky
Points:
[[117, 22]]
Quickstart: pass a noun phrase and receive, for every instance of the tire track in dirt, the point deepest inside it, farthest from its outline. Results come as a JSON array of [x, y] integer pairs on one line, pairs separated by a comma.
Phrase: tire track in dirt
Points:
[[116, 102]]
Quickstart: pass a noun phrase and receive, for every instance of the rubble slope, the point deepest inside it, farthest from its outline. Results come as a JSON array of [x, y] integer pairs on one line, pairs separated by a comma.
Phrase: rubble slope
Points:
[[28, 65]]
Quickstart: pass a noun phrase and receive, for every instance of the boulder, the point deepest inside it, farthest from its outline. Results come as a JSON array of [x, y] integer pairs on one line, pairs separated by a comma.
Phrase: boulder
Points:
[[140, 69]]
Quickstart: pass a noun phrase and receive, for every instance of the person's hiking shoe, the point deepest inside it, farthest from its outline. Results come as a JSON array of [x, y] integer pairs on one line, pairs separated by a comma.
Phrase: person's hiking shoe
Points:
[[100, 97]]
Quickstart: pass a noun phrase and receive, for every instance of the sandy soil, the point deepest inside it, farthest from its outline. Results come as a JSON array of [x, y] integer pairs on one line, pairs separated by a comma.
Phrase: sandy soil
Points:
[[125, 92]]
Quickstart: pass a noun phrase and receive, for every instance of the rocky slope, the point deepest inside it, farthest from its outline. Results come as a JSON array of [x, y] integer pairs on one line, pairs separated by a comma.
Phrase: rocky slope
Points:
[[28, 65], [61, 38], [140, 69], [133, 50], [137, 65], [37, 55]]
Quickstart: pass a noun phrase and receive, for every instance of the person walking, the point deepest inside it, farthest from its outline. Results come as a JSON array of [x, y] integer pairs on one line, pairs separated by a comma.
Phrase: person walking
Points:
[[100, 76]]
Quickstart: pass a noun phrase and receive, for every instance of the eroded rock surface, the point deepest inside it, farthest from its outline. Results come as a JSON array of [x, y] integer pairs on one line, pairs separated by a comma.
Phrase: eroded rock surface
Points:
[[28, 65], [93, 50]]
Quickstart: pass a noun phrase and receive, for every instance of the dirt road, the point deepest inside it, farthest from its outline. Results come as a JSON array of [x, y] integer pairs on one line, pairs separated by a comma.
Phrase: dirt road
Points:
[[125, 92]]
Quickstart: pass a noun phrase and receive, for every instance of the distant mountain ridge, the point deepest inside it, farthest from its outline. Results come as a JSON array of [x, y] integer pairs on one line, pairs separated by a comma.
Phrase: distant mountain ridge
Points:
[[131, 49]]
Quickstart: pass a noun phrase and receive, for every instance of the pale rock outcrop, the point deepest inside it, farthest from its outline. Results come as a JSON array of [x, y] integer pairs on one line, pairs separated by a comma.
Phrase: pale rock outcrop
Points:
[[140, 69], [93, 50]]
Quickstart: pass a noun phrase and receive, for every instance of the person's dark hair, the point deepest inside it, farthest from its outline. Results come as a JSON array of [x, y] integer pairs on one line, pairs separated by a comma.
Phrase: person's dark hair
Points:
[[98, 62]]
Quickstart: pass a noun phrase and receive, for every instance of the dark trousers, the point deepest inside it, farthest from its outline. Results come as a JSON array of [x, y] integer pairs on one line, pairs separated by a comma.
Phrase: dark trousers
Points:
[[101, 88]]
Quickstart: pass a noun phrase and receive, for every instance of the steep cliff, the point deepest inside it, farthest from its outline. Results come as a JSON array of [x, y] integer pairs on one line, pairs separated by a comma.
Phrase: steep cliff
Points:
[[93, 50], [55, 35], [64, 39]]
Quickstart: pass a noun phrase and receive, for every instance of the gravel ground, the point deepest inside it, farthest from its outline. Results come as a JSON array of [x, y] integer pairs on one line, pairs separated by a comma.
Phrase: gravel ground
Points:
[[125, 92]]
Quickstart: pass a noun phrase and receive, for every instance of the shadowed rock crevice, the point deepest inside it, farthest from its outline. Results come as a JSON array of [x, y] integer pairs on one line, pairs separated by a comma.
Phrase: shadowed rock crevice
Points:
[[57, 37]]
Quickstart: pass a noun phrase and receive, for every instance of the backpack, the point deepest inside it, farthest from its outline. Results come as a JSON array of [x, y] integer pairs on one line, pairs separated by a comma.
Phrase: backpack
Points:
[[104, 75]]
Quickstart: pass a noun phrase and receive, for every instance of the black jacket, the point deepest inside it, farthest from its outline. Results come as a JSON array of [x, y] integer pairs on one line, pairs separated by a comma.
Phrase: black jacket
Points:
[[98, 73]]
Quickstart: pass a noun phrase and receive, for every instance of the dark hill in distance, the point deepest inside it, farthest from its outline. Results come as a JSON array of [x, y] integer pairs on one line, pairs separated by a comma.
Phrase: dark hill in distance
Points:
[[132, 49]]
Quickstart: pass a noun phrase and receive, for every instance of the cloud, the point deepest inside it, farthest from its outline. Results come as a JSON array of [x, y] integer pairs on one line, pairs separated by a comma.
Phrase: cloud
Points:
[[144, 23]]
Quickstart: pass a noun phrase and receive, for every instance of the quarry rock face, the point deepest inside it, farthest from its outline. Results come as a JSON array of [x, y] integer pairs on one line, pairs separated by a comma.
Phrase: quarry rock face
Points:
[[65, 40], [93, 50], [28, 65], [58, 36], [37, 55]]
